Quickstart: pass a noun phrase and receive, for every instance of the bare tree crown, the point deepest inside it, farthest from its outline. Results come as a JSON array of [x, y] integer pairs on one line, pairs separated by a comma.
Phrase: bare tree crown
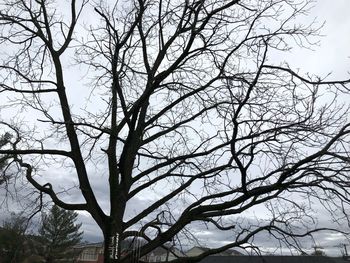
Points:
[[179, 96]]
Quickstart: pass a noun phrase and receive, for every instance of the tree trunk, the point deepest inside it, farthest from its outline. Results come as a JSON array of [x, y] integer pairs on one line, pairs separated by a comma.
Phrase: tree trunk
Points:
[[112, 250], [111, 244]]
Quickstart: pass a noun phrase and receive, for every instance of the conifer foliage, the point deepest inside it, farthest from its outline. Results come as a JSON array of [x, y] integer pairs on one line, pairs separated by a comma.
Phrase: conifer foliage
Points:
[[59, 232]]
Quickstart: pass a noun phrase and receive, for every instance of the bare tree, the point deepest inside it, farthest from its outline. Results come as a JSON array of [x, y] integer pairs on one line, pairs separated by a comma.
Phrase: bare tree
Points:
[[182, 98], [4, 139]]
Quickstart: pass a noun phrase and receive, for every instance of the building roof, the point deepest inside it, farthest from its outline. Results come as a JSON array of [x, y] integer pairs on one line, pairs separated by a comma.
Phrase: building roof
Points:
[[272, 259], [203, 249], [228, 252], [89, 245], [231, 252]]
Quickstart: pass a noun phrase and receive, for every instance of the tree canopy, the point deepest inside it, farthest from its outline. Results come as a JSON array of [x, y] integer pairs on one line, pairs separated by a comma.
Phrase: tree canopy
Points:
[[180, 102], [12, 238]]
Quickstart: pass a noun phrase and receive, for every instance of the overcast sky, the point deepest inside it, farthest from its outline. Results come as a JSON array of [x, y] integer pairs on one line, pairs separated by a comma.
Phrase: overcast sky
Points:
[[332, 55]]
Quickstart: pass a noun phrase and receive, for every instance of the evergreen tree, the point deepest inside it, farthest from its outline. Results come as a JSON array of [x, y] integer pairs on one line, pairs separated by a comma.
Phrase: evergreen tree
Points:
[[59, 232]]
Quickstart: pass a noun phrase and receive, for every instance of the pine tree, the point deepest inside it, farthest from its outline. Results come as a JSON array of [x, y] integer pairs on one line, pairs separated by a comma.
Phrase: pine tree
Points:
[[59, 232]]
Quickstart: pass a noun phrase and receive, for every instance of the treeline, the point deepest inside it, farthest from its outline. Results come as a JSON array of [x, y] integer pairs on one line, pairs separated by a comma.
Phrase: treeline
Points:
[[53, 241]]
